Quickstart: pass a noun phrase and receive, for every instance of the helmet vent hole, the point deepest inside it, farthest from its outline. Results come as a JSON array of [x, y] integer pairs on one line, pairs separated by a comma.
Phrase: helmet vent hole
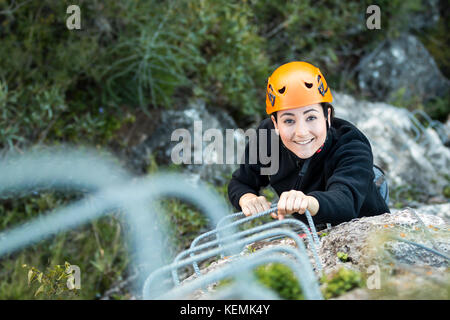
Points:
[[308, 85], [282, 90]]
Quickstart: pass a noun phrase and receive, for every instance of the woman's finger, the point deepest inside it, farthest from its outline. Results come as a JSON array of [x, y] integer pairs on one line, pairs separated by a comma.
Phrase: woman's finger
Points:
[[290, 202], [282, 204], [304, 205], [258, 206], [297, 203], [265, 203], [246, 211]]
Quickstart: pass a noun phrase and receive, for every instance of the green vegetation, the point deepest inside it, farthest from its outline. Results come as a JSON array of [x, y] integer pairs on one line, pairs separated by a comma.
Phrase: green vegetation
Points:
[[280, 279], [446, 191], [133, 58], [58, 85], [55, 281], [342, 256], [340, 282], [277, 277]]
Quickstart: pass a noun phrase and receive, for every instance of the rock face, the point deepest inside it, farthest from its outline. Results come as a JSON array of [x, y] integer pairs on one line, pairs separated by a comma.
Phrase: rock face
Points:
[[361, 239], [212, 166], [406, 269], [400, 147], [427, 17], [366, 245], [401, 67]]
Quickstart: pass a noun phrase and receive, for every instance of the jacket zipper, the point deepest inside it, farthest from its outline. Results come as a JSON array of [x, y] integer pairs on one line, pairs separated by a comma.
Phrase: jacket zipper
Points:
[[301, 175]]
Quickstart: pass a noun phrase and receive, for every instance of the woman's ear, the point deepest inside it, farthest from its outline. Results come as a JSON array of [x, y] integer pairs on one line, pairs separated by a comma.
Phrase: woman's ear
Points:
[[275, 125]]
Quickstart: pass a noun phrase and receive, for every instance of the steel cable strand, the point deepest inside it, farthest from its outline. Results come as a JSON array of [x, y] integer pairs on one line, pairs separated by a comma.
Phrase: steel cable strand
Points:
[[241, 221], [245, 233], [423, 247], [418, 124], [154, 277], [246, 219], [236, 215], [425, 230], [112, 187], [312, 227], [408, 267], [258, 215], [309, 284], [436, 125], [218, 229]]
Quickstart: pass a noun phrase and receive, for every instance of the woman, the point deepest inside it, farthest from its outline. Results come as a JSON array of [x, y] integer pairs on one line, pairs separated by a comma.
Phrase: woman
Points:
[[325, 163]]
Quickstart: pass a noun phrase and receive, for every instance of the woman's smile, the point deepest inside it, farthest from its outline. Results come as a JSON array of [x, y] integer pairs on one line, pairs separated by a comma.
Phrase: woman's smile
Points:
[[304, 142]]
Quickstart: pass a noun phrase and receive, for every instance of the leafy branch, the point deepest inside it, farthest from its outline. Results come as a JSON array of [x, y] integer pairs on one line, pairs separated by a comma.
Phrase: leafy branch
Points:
[[55, 281]]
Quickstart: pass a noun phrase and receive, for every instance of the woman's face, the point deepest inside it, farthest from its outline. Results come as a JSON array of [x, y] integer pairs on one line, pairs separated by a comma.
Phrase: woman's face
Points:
[[303, 130]]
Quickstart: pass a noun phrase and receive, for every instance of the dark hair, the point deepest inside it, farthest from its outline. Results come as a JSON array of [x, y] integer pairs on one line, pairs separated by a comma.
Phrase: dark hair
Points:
[[325, 106]]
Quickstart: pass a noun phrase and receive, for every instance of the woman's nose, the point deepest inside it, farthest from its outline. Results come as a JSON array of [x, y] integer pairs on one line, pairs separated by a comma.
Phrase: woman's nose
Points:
[[301, 129]]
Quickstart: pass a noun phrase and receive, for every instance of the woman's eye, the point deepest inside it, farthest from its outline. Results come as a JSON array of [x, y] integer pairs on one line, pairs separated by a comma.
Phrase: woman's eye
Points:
[[288, 121], [311, 117]]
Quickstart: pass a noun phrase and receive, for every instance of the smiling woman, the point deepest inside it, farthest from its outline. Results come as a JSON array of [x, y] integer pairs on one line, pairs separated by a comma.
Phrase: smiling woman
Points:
[[325, 163]]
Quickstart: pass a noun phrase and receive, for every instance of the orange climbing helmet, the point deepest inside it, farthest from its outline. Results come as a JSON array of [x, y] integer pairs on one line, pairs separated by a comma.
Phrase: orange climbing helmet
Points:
[[296, 84]]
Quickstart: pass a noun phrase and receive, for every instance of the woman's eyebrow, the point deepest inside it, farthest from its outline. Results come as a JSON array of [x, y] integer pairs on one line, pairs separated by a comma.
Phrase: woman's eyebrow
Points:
[[287, 114], [291, 114], [310, 110]]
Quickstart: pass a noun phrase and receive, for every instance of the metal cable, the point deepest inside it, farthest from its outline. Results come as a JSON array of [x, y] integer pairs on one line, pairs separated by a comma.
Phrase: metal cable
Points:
[[245, 233], [301, 250]]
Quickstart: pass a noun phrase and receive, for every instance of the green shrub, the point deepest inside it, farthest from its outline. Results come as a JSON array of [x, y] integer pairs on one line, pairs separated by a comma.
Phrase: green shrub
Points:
[[277, 277], [281, 279], [342, 256], [54, 282], [340, 282]]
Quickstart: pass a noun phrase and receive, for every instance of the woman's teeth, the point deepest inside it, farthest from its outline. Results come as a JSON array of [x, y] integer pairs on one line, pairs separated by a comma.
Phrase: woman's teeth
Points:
[[305, 142]]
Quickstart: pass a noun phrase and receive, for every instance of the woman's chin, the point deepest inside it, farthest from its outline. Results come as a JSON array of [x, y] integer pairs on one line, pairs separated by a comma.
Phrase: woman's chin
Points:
[[303, 154]]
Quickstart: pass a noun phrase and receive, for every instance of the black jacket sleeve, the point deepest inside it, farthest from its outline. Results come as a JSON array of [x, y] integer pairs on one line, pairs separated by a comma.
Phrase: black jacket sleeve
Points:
[[247, 178], [347, 187]]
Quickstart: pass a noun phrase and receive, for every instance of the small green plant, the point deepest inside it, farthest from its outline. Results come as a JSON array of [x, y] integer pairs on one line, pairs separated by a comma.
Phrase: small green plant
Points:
[[340, 282], [275, 276], [56, 281], [281, 279], [446, 191], [342, 256]]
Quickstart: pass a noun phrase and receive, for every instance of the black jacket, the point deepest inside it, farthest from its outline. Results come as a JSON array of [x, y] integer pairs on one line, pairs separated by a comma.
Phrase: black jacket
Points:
[[340, 176]]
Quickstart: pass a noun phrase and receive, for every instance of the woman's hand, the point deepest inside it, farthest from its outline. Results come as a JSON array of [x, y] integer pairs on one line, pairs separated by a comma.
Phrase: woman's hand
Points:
[[296, 201], [252, 204]]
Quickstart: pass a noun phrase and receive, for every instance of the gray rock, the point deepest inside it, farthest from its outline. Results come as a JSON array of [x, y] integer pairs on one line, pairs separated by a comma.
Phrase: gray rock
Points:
[[401, 67], [213, 167], [427, 17], [439, 210], [361, 239], [412, 158]]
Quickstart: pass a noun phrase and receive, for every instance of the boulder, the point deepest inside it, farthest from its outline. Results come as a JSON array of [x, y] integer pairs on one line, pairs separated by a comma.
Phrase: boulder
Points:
[[426, 17], [401, 68], [404, 266], [213, 167], [414, 158], [366, 242]]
